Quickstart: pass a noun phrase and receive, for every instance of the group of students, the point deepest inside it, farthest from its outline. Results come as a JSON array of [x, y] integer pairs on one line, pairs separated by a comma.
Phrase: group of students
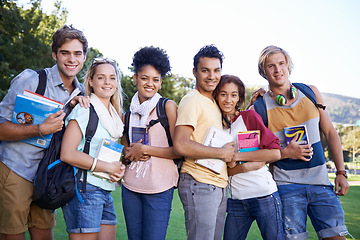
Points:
[[279, 201]]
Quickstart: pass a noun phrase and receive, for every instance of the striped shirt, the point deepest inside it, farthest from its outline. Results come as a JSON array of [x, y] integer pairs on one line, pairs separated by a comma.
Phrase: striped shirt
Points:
[[292, 174]]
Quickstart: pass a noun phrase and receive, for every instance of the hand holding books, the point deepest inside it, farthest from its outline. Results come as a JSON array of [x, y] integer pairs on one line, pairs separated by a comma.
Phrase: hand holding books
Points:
[[34, 109], [298, 145], [217, 138], [110, 151], [137, 147]]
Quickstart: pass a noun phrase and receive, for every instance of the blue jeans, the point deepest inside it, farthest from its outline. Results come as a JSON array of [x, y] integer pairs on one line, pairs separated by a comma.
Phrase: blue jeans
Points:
[[323, 207], [98, 208], [204, 207], [265, 210], [146, 215]]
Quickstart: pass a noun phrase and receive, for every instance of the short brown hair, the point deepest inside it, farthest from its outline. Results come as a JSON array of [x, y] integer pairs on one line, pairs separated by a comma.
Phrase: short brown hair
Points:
[[68, 33]]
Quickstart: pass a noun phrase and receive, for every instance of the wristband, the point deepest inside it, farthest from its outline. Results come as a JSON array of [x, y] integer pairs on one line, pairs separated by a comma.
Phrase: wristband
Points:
[[93, 166], [342, 172], [38, 126]]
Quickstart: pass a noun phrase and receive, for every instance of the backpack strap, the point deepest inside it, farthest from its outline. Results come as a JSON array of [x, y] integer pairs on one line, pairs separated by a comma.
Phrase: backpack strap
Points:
[[162, 117], [126, 127], [305, 89], [90, 132], [260, 108], [91, 128], [309, 93], [42, 82]]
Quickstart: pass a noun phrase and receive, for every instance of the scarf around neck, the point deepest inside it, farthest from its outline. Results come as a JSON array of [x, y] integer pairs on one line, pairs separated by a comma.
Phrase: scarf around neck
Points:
[[109, 119], [144, 109]]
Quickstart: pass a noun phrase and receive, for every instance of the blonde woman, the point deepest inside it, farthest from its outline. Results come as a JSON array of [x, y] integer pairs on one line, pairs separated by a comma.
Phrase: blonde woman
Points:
[[94, 218]]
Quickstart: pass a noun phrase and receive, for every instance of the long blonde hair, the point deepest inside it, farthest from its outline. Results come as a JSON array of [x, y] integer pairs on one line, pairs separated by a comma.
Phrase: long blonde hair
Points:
[[117, 98]]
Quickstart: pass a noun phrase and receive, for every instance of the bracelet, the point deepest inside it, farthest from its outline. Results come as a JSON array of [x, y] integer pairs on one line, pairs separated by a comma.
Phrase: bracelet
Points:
[[342, 172], [93, 165], [38, 126]]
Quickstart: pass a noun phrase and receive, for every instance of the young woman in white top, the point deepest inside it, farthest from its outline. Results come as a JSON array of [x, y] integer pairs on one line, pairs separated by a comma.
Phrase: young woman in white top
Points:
[[253, 192], [95, 217]]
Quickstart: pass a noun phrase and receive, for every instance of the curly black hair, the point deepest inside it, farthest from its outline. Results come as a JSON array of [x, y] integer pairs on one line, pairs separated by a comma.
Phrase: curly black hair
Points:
[[153, 56], [208, 51]]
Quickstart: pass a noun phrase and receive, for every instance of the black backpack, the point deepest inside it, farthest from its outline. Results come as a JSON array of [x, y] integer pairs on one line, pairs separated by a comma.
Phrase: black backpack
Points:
[[161, 112], [56, 182]]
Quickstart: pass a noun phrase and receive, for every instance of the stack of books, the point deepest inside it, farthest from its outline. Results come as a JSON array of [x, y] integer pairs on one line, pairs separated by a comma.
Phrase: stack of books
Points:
[[214, 137], [32, 109], [108, 151]]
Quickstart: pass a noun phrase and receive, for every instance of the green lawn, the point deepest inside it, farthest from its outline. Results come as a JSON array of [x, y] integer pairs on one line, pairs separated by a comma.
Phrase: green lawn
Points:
[[352, 177], [176, 230]]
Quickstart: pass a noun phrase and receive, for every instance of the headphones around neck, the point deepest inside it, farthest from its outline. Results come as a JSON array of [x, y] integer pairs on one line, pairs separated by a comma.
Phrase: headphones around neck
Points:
[[281, 99]]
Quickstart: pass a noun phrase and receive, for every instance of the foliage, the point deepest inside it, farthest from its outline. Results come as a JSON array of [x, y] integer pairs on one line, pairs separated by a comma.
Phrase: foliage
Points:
[[129, 89], [350, 140], [182, 85], [91, 54], [25, 38]]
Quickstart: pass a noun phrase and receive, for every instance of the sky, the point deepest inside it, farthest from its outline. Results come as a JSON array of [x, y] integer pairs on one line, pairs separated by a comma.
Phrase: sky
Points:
[[321, 36]]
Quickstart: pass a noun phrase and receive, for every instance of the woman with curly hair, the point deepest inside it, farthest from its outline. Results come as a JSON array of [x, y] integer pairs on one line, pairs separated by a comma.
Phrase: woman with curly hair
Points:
[[151, 176]]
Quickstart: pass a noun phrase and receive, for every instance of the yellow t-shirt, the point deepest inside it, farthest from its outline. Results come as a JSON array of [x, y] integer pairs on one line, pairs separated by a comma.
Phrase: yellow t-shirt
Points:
[[200, 112]]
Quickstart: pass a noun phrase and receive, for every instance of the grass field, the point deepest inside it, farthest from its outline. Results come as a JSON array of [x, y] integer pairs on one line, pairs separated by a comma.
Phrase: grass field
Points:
[[352, 177], [176, 229]]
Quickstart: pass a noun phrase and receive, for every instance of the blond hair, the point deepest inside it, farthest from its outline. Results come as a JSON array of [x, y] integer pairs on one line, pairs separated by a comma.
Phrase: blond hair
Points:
[[269, 50], [117, 98]]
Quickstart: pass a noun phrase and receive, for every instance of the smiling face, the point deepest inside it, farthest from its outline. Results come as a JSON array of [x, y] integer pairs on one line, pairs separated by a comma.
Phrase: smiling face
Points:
[[104, 82], [207, 75], [276, 70], [228, 97], [148, 80], [70, 59]]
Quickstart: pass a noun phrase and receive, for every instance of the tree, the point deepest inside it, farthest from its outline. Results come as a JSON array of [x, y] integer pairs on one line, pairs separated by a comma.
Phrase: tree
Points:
[[25, 38], [350, 140], [91, 54]]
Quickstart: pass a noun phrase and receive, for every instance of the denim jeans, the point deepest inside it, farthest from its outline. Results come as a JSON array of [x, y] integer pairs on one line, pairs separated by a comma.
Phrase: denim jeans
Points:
[[204, 207], [146, 215], [265, 210], [323, 207], [98, 208]]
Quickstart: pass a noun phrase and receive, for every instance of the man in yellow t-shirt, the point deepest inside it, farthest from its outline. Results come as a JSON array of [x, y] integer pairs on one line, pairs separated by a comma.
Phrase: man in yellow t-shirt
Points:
[[202, 192]]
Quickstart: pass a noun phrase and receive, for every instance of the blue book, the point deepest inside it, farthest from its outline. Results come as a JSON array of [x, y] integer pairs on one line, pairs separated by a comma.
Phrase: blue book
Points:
[[302, 139], [108, 151], [29, 110], [140, 133]]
